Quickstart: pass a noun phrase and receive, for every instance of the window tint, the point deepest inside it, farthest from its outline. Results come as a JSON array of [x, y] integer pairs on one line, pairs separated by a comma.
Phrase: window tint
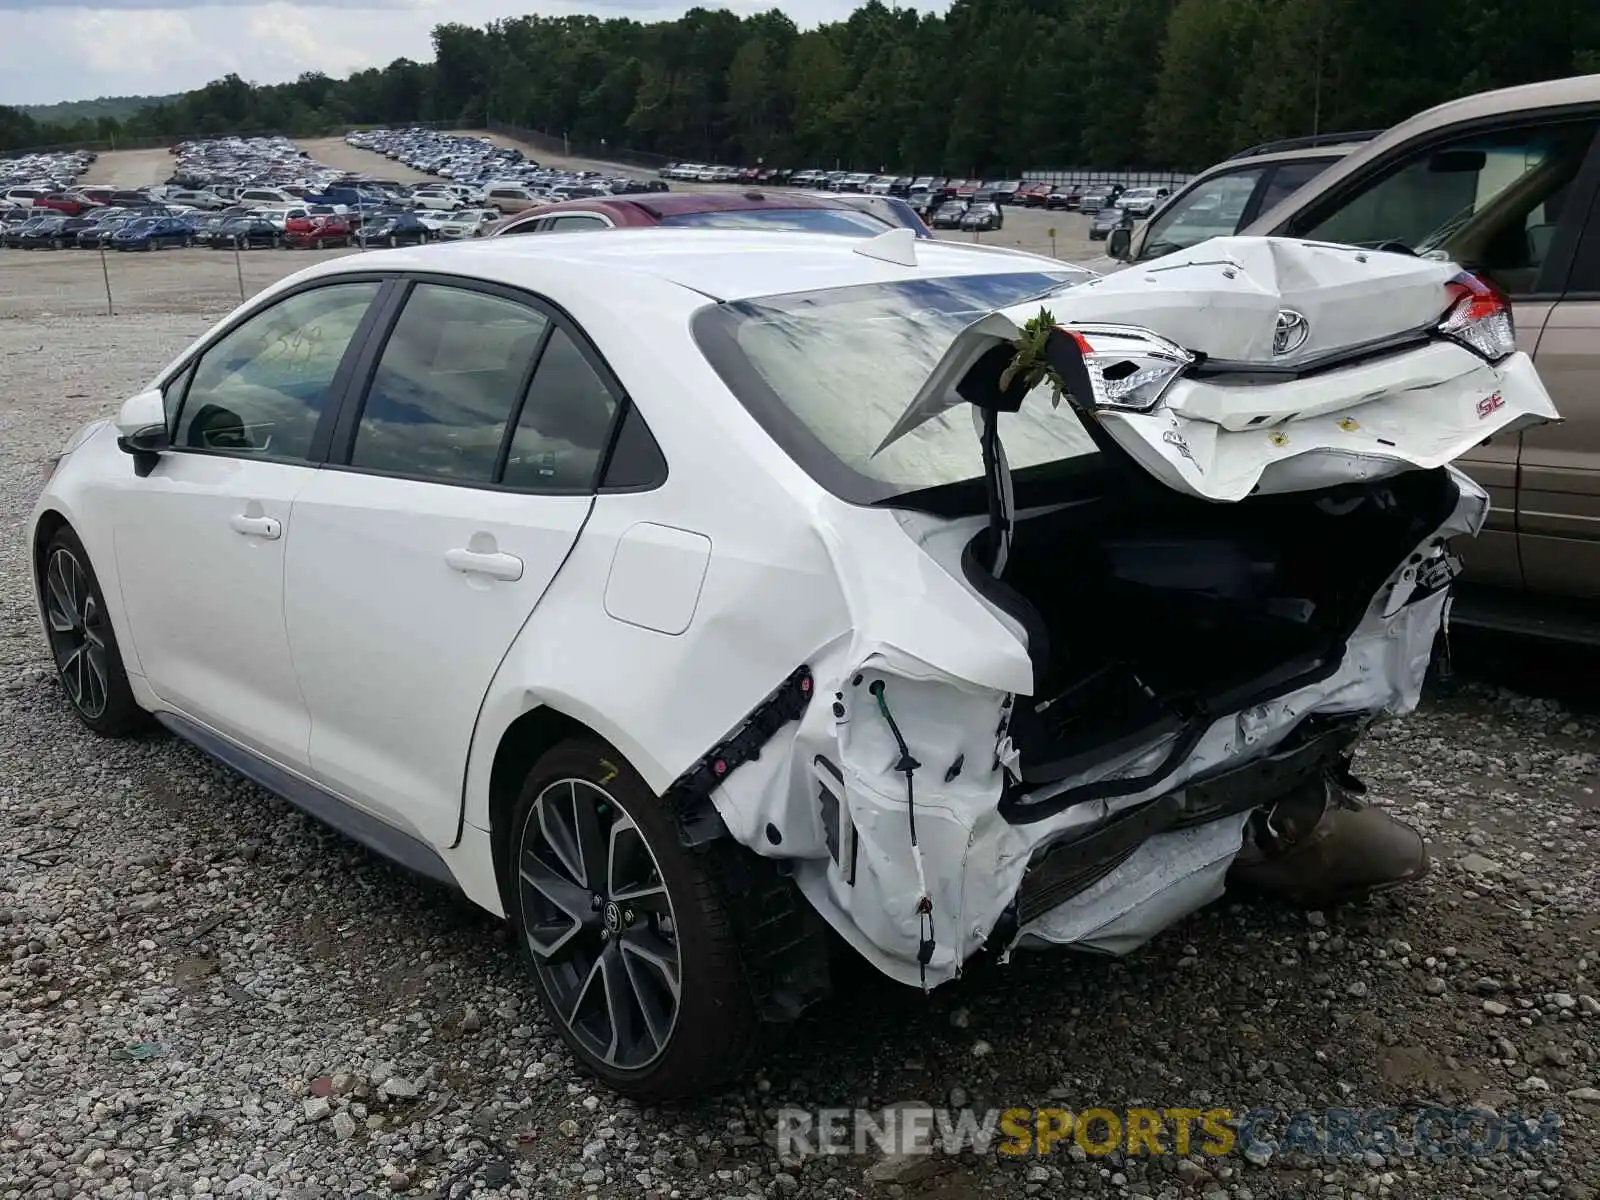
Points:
[[1490, 200], [1288, 178], [570, 222], [1212, 208], [261, 389], [446, 385], [564, 424]]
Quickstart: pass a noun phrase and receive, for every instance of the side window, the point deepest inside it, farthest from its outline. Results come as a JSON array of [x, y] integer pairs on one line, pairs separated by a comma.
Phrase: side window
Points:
[[261, 390], [564, 424], [568, 222], [1288, 178], [1212, 208], [447, 384], [1490, 200]]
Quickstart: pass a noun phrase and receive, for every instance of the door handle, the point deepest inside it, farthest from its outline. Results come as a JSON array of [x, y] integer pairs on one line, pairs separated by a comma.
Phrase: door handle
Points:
[[492, 564], [261, 527]]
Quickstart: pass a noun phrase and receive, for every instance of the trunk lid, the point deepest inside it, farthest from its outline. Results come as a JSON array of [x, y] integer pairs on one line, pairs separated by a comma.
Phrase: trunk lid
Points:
[[1294, 365]]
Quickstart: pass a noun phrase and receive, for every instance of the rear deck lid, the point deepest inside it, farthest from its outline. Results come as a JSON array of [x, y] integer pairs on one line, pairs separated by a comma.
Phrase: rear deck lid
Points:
[[1250, 365]]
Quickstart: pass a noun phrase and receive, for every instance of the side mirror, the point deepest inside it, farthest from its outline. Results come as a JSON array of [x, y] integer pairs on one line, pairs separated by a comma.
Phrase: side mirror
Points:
[[1119, 243], [142, 430]]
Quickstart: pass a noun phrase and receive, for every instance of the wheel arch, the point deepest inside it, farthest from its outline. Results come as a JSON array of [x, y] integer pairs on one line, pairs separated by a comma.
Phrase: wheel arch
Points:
[[49, 522], [524, 742]]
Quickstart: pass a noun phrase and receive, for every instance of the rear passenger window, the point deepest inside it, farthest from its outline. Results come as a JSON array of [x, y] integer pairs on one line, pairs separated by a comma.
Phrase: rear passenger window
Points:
[[564, 425], [447, 384]]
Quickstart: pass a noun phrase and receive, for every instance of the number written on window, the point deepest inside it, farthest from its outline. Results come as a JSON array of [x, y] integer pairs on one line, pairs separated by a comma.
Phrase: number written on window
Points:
[[261, 390]]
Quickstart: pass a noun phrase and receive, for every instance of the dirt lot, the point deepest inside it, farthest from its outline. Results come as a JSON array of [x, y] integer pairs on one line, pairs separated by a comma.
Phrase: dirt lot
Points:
[[202, 993]]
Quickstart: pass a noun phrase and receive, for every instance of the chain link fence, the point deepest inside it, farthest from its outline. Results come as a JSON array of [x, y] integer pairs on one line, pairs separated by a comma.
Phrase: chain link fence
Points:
[[69, 283]]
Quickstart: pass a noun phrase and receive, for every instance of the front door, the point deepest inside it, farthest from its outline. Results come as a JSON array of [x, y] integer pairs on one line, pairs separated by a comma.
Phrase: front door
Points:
[[200, 541], [467, 473]]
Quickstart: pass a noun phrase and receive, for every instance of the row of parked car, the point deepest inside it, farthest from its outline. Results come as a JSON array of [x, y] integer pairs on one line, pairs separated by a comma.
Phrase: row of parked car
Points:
[[479, 172], [931, 191]]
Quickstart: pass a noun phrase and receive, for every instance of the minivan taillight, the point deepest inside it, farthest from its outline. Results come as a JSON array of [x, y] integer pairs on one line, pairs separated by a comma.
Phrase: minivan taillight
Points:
[[1479, 317]]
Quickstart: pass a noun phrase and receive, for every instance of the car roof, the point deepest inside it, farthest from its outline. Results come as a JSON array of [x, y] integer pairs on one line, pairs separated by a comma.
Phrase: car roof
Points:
[[723, 264]]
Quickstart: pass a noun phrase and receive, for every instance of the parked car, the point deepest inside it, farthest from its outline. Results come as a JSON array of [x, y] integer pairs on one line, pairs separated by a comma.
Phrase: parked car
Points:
[[1063, 198], [691, 210], [246, 233], [1142, 201], [1223, 199], [982, 216], [152, 233], [948, 215], [99, 235], [1033, 195], [1101, 195], [1504, 182], [510, 198], [316, 232], [934, 704], [44, 233], [467, 223], [395, 229], [1107, 219]]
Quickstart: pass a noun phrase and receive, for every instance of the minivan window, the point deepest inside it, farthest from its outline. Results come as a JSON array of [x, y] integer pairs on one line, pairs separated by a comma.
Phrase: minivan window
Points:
[[1212, 208], [1487, 199]]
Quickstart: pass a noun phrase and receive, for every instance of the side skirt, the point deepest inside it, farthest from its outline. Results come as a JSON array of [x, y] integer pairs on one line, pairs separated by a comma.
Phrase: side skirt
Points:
[[378, 836]]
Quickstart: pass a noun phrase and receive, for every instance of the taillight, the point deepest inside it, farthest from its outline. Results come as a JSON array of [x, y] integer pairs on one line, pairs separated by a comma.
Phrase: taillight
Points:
[[1479, 317], [1129, 368]]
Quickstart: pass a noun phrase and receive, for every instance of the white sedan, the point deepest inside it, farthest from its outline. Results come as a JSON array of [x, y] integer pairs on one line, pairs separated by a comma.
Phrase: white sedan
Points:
[[650, 587]]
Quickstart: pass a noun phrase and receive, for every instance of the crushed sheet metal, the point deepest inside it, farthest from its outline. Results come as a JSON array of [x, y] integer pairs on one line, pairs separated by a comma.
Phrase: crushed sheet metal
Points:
[[1165, 879], [975, 859]]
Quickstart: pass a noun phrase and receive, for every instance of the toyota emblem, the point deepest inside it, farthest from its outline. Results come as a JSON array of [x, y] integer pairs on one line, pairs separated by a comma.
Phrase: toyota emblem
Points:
[[1291, 332]]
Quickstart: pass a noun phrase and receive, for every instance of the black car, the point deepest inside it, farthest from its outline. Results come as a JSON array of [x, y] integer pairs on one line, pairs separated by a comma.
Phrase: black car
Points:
[[24, 236], [245, 233], [44, 233], [400, 229], [1106, 219], [948, 215]]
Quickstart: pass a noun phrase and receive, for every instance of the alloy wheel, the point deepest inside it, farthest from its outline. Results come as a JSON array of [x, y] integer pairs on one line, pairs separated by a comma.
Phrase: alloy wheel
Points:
[[600, 924], [77, 633]]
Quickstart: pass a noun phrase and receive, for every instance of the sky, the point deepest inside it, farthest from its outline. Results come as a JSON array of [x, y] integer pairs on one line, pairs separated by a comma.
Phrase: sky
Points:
[[53, 50]]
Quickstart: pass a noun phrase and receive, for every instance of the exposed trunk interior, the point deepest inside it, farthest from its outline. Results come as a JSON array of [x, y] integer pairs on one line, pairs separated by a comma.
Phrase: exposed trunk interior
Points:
[[1149, 613]]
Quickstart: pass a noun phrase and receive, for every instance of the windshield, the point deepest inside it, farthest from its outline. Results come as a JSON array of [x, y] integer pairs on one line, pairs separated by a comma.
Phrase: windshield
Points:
[[851, 222], [829, 373]]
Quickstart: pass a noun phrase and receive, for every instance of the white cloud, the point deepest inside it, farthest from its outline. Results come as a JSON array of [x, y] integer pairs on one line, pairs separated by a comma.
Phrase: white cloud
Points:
[[54, 51]]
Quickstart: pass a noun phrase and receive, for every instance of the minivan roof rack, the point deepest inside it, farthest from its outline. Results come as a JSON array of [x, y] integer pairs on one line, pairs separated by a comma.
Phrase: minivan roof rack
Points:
[[1280, 145]]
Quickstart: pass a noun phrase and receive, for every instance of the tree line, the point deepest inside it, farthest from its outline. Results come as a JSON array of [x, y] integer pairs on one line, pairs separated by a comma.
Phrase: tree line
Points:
[[989, 86]]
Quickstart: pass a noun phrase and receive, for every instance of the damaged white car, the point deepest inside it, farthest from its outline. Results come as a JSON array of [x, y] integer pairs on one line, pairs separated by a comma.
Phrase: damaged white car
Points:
[[701, 600]]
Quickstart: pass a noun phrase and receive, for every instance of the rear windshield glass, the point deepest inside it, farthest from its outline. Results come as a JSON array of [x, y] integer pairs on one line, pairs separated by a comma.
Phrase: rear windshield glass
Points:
[[828, 373], [849, 222]]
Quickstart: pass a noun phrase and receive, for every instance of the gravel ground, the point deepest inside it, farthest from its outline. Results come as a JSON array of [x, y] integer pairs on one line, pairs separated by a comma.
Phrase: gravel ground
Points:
[[203, 993]]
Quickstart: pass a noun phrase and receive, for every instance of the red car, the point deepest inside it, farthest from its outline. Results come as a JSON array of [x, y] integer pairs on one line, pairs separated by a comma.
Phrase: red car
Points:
[[1033, 195], [317, 232], [858, 216], [60, 202]]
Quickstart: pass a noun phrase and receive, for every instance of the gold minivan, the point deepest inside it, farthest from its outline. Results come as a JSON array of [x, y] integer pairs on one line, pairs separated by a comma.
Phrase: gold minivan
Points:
[[1508, 184]]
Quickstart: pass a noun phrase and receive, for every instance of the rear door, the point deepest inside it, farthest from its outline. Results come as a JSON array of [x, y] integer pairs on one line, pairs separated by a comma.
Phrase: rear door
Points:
[[463, 470], [1558, 503]]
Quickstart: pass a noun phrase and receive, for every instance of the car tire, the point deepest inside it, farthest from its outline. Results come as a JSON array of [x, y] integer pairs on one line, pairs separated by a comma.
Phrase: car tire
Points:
[[83, 643], [624, 944]]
